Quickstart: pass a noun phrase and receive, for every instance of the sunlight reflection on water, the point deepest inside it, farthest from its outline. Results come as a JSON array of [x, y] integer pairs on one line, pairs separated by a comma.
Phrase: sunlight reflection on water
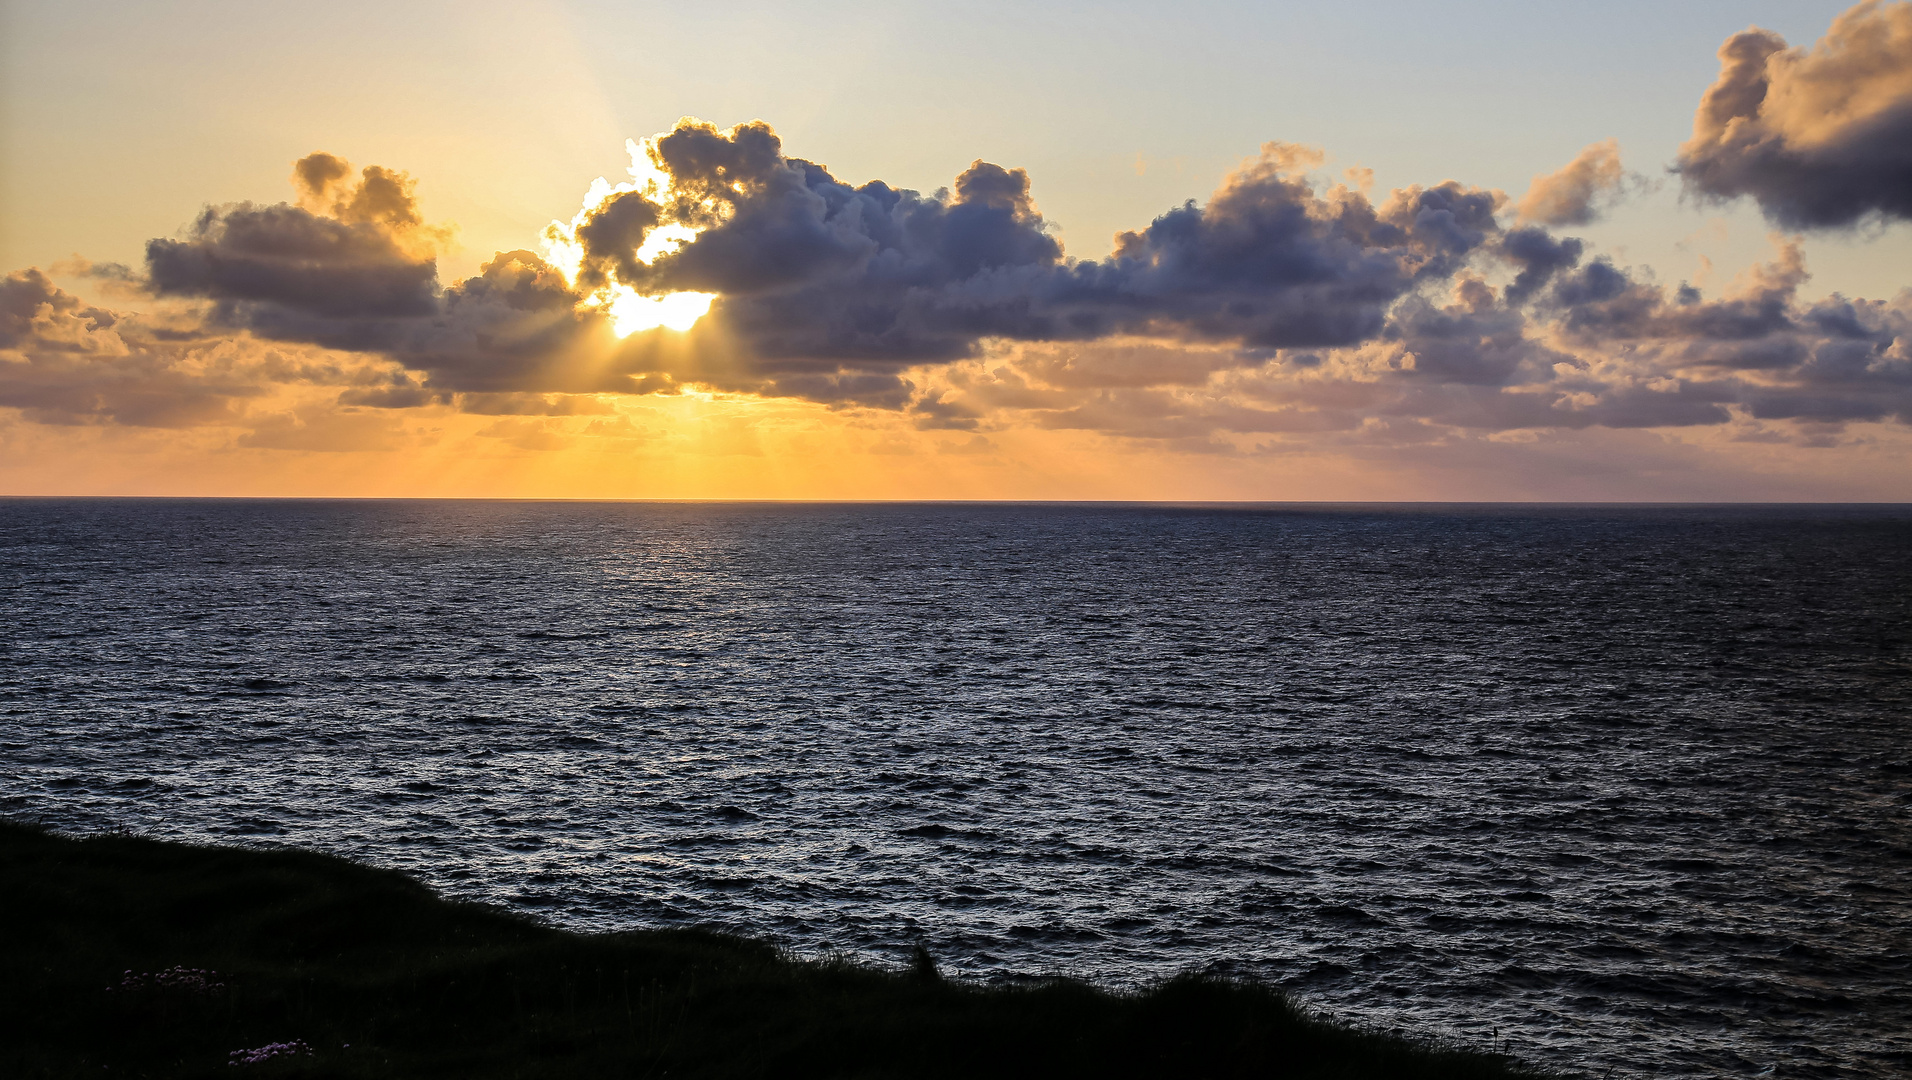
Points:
[[1628, 785]]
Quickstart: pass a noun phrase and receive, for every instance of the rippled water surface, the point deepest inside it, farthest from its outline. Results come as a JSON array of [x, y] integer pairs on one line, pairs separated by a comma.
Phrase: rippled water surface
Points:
[[1632, 786]]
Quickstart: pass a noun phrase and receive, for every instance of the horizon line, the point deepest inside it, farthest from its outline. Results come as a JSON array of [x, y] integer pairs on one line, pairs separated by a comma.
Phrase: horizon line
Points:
[[979, 502]]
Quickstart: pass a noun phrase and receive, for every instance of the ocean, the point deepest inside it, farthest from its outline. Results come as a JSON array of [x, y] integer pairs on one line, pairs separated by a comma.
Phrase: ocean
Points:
[[1622, 789]]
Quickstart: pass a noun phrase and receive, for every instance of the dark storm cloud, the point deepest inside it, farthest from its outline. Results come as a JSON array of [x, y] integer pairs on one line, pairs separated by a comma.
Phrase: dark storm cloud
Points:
[[1819, 137]]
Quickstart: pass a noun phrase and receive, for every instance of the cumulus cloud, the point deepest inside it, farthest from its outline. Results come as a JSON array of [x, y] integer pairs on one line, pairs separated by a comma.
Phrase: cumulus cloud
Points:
[[353, 266], [1601, 346], [1579, 191], [824, 290], [1820, 137], [833, 290], [1538, 256]]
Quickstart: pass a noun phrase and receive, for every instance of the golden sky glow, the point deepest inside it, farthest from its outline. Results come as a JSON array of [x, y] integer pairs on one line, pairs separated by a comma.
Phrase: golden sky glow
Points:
[[692, 447], [733, 319]]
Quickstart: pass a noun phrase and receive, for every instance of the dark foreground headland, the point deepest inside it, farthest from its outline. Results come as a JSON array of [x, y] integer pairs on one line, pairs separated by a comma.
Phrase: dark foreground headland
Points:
[[126, 956]]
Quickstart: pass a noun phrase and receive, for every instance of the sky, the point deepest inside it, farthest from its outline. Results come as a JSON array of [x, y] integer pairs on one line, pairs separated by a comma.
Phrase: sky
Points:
[[1203, 251]]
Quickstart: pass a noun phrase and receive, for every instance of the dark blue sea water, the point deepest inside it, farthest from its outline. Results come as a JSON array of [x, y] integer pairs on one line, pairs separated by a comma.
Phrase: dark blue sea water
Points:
[[1630, 786]]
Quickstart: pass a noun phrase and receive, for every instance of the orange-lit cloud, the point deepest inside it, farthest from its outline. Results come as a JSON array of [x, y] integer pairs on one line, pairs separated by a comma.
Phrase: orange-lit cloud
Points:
[[1579, 191], [1821, 136]]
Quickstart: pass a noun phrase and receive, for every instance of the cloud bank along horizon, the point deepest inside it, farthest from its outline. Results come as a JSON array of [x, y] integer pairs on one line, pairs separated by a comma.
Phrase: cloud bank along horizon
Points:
[[1289, 309]]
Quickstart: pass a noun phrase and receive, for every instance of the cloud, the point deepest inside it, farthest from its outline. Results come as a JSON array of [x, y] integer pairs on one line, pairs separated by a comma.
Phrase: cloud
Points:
[[1282, 308], [354, 267], [528, 435], [1600, 347], [114, 279], [1268, 262], [533, 405], [33, 309], [287, 272], [381, 197], [323, 430], [1579, 191], [1819, 137], [1539, 256], [828, 289], [515, 327], [65, 362], [831, 290]]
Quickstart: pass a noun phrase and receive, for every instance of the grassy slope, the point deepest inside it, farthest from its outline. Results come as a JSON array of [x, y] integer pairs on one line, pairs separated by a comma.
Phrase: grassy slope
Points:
[[334, 953]]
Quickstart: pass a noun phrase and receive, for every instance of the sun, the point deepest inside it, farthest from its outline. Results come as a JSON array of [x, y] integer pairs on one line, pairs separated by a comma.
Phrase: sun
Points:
[[630, 311]]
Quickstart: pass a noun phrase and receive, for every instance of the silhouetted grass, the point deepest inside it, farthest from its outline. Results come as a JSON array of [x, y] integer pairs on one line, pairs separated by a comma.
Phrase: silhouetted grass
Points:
[[379, 977]]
